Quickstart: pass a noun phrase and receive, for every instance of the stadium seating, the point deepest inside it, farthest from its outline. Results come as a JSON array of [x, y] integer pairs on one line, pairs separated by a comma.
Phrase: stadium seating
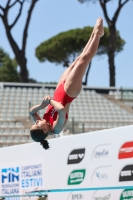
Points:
[[90, 111], [125, 95]]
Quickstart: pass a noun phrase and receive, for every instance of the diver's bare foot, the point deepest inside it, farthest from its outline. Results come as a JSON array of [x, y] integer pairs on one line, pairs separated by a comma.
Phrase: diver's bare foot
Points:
[[99, 29]]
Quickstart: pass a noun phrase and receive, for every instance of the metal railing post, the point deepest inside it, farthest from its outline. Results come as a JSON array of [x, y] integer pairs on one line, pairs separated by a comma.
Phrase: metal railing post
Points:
[[72, 124]]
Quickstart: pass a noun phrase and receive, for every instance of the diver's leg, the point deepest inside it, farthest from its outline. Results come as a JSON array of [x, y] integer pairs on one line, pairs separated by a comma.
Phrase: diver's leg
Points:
[[69, 69], [73, 82]]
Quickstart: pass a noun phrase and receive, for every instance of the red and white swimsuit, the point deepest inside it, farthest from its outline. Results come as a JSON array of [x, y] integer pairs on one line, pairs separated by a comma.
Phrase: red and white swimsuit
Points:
[[59, 96]]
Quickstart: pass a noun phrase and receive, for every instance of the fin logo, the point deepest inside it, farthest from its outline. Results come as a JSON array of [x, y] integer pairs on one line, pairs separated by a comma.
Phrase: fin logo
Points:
[[126, 150], [126, 173], [76, 156], [10, 175]]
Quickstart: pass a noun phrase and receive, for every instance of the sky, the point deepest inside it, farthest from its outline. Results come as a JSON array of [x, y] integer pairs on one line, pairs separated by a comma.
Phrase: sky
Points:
[[51, 17]]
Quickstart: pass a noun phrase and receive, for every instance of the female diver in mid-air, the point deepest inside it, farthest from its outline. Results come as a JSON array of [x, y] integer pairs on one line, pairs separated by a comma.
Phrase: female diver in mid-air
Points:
[[68, 88]]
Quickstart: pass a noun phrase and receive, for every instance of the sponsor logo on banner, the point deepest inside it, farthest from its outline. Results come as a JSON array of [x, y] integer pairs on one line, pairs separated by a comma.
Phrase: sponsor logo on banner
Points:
[[101, 151], [76, 156], [104, 197], [21, 178], [75, 196], [31, 177], [127, 195], [101, 174], [76, 177], [126, 150], [126, 173], [10, 180]]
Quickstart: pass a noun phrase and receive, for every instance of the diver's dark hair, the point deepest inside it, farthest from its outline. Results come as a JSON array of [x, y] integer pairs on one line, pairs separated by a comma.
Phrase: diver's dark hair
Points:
[[38, 136], [45, 144]]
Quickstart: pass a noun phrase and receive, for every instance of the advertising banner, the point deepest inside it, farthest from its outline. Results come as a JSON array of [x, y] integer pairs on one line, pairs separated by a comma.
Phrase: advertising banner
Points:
[[101, 159]]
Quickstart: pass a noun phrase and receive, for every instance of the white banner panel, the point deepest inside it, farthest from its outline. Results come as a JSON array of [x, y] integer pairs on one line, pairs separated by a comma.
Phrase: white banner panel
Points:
[[90, 160]]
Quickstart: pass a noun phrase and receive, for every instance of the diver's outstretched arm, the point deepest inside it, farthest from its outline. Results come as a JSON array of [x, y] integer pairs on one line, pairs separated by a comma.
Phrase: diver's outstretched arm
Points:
[[33, 112], [35, 117]]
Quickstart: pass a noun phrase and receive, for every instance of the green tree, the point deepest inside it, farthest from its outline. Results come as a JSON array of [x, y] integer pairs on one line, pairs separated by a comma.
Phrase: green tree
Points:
[[112, 32], [66, 46], [18, 52], [8, 68]]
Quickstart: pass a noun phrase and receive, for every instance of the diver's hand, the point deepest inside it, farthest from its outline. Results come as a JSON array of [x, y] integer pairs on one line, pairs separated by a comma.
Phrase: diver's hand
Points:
[[45, 101]]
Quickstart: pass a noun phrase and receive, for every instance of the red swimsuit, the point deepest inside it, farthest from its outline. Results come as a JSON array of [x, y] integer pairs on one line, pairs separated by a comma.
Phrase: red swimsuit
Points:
[[59, 96]]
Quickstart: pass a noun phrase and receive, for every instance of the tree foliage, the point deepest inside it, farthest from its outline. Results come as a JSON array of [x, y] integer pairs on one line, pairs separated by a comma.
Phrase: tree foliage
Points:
[[19, 52], [64, 47], [8, 68]]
